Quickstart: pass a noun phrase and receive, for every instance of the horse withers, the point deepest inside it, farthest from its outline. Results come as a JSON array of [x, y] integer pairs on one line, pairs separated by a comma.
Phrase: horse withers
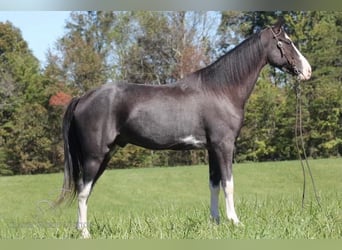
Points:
[[203, 110]]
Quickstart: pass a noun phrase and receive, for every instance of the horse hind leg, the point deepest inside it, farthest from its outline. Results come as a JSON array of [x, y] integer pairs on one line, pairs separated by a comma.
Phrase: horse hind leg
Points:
[[93, 169], [84, 188], [83, 195]]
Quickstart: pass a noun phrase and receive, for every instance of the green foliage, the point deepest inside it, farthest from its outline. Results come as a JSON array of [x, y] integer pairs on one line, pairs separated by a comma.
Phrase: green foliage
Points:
[[147, 57], [323, 93], [83, 59], [25, 143], [131, 157], [4, 168]]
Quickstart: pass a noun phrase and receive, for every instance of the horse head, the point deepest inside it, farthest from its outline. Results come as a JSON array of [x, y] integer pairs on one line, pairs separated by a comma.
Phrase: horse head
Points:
[[283, 54]]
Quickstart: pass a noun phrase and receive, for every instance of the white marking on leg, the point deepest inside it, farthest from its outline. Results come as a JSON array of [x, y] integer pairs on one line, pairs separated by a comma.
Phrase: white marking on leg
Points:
[[228, 189], [82, 210], [214, 201]]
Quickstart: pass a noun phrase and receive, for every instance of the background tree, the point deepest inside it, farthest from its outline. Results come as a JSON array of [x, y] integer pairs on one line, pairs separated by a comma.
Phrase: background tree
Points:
[[24, 146], [83, 58], [323, 92]]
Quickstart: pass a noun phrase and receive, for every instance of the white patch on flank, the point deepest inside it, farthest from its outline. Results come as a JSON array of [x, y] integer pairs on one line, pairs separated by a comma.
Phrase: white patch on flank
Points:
[[228, 189], [191, 140], [82, 210], [306, 68]]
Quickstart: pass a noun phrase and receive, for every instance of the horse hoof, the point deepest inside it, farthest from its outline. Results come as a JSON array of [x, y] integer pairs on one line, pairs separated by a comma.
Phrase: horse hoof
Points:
[[85, 234], [239, 224], [216, 220]]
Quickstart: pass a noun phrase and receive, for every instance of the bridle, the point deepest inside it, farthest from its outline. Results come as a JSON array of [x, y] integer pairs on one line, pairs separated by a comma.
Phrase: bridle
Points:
[[280, 46]]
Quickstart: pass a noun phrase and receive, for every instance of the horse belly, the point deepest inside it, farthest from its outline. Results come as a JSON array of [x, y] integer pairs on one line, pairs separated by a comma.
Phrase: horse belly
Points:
[[164, 130]]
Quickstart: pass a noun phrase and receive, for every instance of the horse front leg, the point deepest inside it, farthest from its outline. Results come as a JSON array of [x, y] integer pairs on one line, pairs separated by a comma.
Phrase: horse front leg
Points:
[[228, 189], [214, 186], [223, 153]]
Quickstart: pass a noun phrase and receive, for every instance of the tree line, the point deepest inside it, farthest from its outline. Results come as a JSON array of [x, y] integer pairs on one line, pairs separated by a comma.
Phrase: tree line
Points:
[[158, 48]]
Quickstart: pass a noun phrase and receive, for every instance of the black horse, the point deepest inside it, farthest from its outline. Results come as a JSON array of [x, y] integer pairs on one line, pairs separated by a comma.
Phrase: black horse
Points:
[[203, 110]]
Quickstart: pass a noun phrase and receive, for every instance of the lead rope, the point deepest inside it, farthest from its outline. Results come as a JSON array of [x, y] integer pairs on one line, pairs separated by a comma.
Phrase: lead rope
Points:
[[299, 126]]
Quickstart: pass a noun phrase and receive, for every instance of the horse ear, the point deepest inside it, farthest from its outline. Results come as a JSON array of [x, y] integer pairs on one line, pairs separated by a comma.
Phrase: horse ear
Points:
[[277, 26]]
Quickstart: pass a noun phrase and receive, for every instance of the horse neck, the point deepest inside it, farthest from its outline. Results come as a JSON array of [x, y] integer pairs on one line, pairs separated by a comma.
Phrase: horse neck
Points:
[[235, 74]]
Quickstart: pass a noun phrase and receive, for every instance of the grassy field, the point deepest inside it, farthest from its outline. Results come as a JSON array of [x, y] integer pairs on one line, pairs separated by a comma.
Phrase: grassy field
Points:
[[173, 203]]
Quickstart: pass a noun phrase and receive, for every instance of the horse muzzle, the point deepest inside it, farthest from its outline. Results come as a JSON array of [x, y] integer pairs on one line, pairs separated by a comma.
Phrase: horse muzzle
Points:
[[304, 74]]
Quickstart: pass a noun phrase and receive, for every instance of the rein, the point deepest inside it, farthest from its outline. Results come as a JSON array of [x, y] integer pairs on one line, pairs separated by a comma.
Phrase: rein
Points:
[[301, 147], [299, 124]]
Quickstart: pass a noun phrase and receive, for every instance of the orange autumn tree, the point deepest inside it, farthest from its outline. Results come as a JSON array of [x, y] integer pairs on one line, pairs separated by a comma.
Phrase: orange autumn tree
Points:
[[60, 99]]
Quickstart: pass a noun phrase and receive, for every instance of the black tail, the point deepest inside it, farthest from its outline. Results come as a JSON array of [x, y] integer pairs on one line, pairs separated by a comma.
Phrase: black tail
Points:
[[71, 155]]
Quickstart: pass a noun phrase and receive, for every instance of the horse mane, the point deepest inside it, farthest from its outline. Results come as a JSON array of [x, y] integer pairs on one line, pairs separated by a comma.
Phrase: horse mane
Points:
[[233, 67]]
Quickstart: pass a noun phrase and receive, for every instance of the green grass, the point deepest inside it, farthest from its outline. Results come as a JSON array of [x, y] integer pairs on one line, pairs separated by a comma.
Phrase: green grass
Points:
[[173, 203]]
